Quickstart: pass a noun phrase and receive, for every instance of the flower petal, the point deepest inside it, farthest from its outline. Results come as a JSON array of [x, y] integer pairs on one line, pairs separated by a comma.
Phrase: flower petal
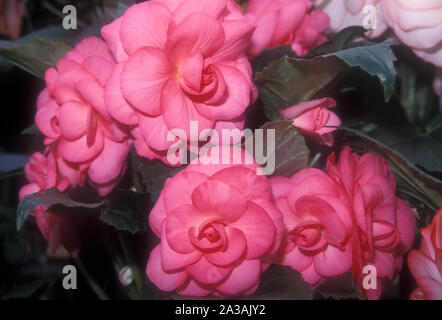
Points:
[[143, 78], [243, 277], [258, 228], [165, 281], [138, 24]]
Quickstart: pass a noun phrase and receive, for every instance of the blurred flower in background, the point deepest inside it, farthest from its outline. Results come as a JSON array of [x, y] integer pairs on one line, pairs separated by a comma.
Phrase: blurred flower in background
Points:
[[11, 15]]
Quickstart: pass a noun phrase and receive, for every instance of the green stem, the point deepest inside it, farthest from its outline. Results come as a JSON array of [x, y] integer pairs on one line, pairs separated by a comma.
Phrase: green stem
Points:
[[91, 281], [315, 160], [132, 264]]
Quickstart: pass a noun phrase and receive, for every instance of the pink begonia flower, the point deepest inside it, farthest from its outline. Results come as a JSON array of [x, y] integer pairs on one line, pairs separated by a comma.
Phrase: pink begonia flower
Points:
[[41, 172], [426, 264], [11, 15], [418, 24], [318, 220], [179, 62], [218, 226], [310, 33], [71, 113], [314, 118], [384, 227], [284, 22], [347, 13]]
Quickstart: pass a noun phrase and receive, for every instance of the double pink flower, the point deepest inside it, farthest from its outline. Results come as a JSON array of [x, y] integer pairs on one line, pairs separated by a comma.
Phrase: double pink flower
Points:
[[178, 62], [218, 227], [285, 22], [42, 174], [346, 220], [72, 114]]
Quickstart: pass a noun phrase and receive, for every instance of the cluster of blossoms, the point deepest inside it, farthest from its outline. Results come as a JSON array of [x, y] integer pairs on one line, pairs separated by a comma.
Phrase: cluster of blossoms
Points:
[[161, 66], [221, 226], [167, 63], [418, 24]]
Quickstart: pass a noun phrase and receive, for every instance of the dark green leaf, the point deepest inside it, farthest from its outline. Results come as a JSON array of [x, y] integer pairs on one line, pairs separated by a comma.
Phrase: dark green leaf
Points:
[[267, 56], [127, 213], [290, 152], [282, 283], [417, 147], [376, 59], [11, 174], [48, 198], [35, 56], [417, 98], [27, 290], [290, 81], [154, 174], [342, 288], [113, 9], [427, 187], [31, 130], [6, 213], [15, 245], [120, 220], [346, 38]]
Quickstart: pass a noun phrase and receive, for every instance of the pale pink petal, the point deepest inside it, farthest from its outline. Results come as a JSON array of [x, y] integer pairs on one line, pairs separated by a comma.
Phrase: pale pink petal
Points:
[[72, 117], [93, 46], [177, 192], [79, 150], [28, 190], [258, 228], [280, 186], [213, 8], [243, 277], [111, 33], [195, 289], [138, 24], [178, 225], [252, 186], [238, 35], [262, 36], [143, 79], [109, 164], [236, 100], [165, 281], [207, 273], [46, 121], [333, 261], [179, 111], [93, 94], [115, 102], [236, 247], [173, 260], [197, 31], [99, 67], [155, 132], [296, 259], [219, 199], [157, 216]]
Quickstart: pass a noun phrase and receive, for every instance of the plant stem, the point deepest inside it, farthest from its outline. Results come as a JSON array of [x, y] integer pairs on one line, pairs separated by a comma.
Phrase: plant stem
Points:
[[132, 264], [91, 281]]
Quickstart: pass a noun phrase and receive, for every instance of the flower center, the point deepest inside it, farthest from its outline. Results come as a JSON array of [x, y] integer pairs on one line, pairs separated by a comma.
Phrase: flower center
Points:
[[210, 236], [308, 236]]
